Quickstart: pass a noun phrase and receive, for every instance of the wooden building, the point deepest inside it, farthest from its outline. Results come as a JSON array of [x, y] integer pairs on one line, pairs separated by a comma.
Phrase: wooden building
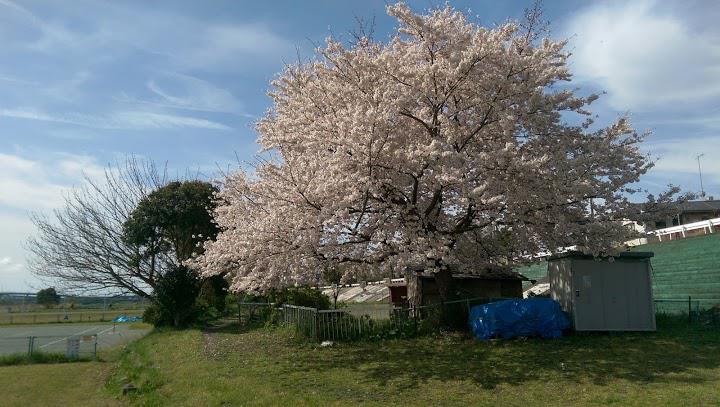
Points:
[[421, 288]]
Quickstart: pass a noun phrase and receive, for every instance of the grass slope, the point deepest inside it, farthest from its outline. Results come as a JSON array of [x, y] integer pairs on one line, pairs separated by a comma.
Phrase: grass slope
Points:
[[62, 384], [676, 366]]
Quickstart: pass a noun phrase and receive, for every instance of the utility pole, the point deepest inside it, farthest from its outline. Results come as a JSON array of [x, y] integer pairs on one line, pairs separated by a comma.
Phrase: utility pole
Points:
[[702, 189]]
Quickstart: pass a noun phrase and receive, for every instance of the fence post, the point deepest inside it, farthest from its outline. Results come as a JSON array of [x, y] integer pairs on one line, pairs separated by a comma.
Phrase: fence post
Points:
[[689, 309], [415, 318], [31, 345], [239, 314], [314, 321]]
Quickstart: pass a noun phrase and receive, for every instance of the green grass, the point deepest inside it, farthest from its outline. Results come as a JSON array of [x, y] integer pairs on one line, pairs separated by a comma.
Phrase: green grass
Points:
[[35, 358], [62, 384], [139, 325], [679, 365]]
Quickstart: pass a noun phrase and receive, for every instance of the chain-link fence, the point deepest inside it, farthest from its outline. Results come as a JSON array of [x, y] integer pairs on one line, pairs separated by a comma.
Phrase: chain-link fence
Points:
[[69, 341], [75, 347], [695, 310]]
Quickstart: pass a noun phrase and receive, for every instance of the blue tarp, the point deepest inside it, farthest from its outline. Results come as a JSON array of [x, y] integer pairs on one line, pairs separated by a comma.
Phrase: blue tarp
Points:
[[125, 318], [513, 318]]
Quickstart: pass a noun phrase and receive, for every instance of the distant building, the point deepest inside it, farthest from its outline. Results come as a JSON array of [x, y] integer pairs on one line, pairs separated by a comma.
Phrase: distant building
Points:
[[420, 288], [490, 282], [688, 212]]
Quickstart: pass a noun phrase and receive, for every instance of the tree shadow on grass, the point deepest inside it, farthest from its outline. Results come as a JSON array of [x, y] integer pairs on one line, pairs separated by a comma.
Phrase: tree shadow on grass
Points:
[[600, 358]]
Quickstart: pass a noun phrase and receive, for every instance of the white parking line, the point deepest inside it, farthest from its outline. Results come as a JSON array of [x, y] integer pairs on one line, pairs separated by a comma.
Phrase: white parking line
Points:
[[62, 339], [104, 330]]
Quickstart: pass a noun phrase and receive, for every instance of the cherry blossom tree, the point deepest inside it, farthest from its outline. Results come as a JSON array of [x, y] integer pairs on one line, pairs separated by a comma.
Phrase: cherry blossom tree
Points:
[[450, 147]]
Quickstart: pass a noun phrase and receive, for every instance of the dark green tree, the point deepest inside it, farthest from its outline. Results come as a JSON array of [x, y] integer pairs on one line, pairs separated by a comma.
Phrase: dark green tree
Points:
[[47, 297], [175, 297], [175, 219]]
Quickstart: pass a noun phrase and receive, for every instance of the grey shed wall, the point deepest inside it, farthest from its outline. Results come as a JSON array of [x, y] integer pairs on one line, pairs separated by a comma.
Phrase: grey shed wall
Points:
[[601, 295]]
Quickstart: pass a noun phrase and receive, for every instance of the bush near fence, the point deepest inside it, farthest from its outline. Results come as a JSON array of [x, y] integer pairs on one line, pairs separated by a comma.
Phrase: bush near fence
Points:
[[348, 324]]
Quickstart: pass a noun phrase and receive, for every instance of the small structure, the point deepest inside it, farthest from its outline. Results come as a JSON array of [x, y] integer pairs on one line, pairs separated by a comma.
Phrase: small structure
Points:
[[540, 288], [491, 282], [609, 294], [687, 212], [370, 292]]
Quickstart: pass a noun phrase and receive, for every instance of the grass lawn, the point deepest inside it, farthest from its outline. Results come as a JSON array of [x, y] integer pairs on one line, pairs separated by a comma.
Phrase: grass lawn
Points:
[[63, 384], [676, 366]]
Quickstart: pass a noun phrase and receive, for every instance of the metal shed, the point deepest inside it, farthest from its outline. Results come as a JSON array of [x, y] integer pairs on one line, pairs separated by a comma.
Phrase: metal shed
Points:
[[608, 294]]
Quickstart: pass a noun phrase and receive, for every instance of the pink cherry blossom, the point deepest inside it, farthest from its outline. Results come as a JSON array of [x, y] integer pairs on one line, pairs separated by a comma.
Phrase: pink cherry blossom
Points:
[[452, 145]]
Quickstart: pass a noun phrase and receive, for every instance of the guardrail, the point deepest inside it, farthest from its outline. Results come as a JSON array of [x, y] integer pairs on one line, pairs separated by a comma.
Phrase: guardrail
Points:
[[707, 226]]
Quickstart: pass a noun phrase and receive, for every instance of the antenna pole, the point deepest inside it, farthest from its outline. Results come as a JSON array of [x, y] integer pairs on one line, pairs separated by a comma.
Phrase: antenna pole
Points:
[[702, 189]]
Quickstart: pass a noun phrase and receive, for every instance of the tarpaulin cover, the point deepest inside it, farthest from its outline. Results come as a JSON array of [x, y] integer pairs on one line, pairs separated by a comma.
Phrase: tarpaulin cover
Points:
[[513, 318], [125, 318]]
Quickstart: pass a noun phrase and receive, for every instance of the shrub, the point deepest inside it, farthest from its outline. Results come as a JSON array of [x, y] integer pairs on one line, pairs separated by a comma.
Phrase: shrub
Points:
[[175, 297], [300, 296], [151, 314]]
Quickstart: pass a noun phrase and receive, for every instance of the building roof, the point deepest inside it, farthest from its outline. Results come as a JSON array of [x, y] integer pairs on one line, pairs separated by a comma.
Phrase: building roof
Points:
[[487, 273], [376, 291], [540, 288], [700, 206], [622, 255]]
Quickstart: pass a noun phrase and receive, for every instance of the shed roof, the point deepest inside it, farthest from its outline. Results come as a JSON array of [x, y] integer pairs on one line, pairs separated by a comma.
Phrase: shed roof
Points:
[[372, 292], [622, 255], [486, 273], [700, 206]]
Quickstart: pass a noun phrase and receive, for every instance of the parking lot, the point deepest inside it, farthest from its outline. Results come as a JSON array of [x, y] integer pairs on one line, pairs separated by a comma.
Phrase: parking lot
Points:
[[53, 338]]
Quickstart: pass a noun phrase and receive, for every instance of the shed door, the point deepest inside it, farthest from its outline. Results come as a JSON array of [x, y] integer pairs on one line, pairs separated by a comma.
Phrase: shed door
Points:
[[640, 312], [616, 285], [614, 296], [588, 297]]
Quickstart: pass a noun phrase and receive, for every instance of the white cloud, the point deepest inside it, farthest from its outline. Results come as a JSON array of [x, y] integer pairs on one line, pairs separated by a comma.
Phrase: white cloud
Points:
[[13, 273], [38, 185], [644, 56], [135, 120], [677, 163], [18, 81], [679, 155], [233, 47], [146, 120], [32, 185], [188, 42], [181, 91]]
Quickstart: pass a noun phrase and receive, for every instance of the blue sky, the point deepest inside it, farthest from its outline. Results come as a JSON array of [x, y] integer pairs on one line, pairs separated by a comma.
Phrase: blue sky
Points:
[[85, 82]]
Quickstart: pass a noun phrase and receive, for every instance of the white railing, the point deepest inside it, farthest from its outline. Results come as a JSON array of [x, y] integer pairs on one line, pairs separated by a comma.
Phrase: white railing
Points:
[[708, 226]]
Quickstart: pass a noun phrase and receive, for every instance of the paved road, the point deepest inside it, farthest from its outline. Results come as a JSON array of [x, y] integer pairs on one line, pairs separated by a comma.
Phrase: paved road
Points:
[[53, 338]]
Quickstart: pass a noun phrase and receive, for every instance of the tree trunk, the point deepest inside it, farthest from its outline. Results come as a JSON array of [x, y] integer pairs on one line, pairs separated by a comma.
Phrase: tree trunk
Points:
[[444, 282]]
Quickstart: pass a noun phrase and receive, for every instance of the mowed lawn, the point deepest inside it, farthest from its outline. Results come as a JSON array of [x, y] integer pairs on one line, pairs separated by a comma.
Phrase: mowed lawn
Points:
[[63, 384], [676, 366]]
